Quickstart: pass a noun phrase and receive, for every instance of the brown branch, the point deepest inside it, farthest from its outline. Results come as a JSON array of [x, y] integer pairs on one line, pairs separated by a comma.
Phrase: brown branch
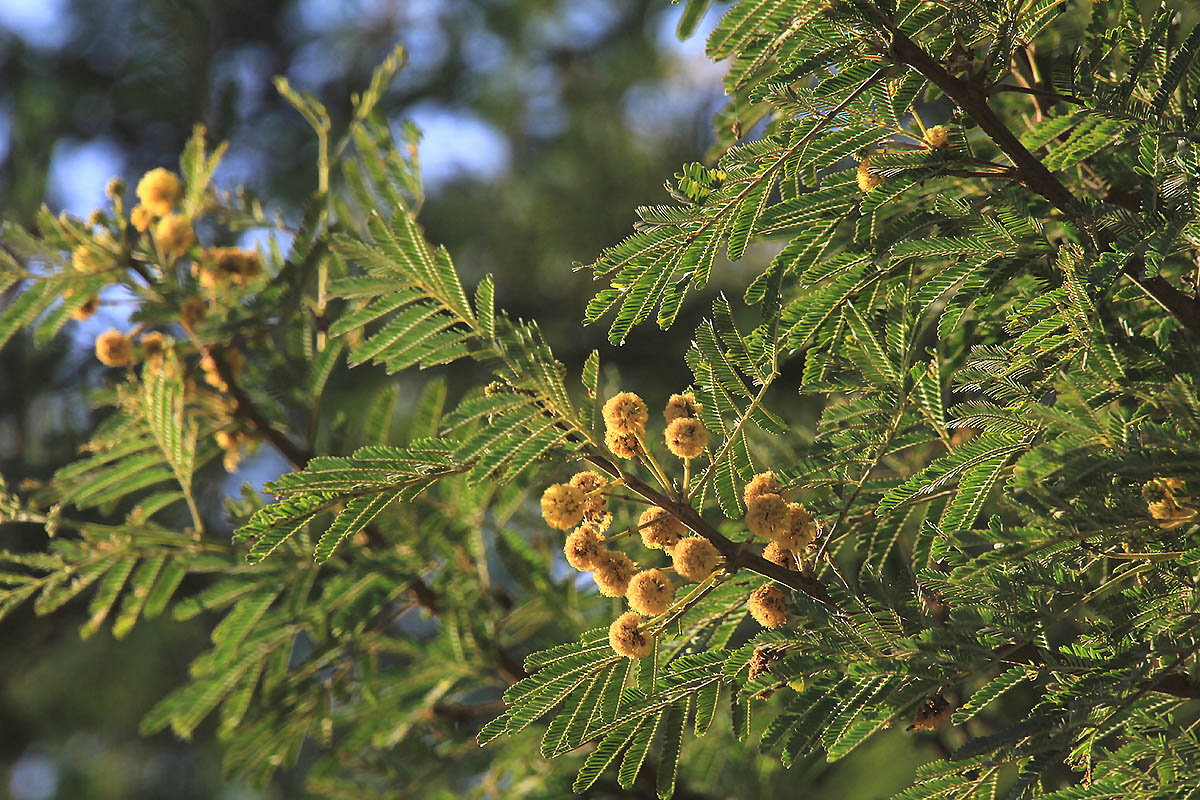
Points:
[[1031, 172]]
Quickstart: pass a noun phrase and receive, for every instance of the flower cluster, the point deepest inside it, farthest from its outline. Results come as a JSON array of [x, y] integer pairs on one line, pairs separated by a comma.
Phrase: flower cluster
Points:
[[868, 179], [581, 507]]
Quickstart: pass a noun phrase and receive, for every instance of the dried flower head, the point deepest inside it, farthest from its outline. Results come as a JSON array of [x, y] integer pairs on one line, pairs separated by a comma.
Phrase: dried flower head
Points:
[[686, 437], [87, 309], [626, 639], [760, 484], [764, 656], [660, 529], [768, 606], [650, 592], [562, 506], [695, 558], [140, 218], [159, 190], [623, 445], [778, 554], [612, 573], [681, 405], [626, 413], [174, 235], [767, 516], [868, 180], [192, 312], [937, 136], [113, 348], [800, 531], [932, 714], [584, 547], [595, 505]]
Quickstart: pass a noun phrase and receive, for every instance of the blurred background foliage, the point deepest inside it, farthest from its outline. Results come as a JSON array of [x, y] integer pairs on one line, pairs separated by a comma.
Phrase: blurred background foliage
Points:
[[545, 123]]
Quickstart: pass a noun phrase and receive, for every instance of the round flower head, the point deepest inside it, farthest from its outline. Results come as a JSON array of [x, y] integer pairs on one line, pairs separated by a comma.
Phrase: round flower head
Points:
[[612, 573], [158, 191], [87, 309], [768, 606], [140, 218], [623, 445], [694, 558], [937, 136], [868, 180], [760, 484], [113, 348], [174, 235], [800, 531], [192, 312], [650, 592], [218, 265], [231, 443], [562, 506], [767, 516], [681, 405], [84, 260], [584, 547], [626, 639], [660, 529], [778, 554], [686, 437], [626, 413], [595, 507]]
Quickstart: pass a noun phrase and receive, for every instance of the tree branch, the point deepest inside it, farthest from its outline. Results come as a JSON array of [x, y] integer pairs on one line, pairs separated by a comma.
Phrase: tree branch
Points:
[[1030, 170]]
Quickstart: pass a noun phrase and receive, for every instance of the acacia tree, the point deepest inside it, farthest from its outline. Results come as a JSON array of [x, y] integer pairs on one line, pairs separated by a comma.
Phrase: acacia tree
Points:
[[986, 286]]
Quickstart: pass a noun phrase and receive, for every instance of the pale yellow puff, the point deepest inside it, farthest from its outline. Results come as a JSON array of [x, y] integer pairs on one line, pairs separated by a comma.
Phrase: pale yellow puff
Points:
[[760, 484], [768, 606], [695, 558], [623, 445], [686, 437], [584, 547], [113, 348], [681, 405], [767, 515], [562, 506], [650, 592], [626, 413], [625, 638], [159, 190], [612, 573], [174, 235], [660, 529]]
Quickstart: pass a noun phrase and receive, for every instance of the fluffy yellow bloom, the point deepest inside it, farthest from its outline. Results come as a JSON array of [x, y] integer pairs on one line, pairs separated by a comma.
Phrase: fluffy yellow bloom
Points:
[[595, 506], [626, 413], [681, 405], [232, 444], [1167, 502], [87, 309], [192, 312], [660, 529], [686, 437], [174, 235], [562, 506], [868, 180], [768, 606], [623, 445], [937, 136], [650, 592], [767, 516], [760, 484], [800, 531], [778, 554], [140, 218], [159, 190], [612, 573], [113, 348], [625, 638], [695, 558], [584, 547]]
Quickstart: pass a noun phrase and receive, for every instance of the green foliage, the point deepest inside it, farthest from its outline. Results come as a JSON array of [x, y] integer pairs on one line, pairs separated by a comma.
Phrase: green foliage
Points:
[[996, 329]]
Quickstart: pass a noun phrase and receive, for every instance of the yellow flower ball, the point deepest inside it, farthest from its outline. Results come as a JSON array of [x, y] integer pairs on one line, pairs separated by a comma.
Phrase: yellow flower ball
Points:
[[660, 529], [113, 348], [562, 506], [695, 558], [584, 547], [686, 437], [612, 573], [623, 445], [650, 592], [159, 190], [626, 413], [767, 516], [625, 638], [768, 606], [681, 405], [760, 484], [140, 218], [937, 136], [174, 235]]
